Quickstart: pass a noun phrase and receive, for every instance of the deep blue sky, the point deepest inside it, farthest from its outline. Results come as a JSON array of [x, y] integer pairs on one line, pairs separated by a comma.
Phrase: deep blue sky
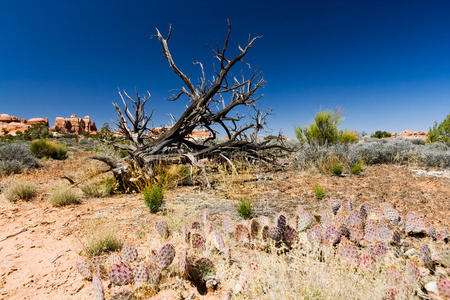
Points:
[[386, 64]]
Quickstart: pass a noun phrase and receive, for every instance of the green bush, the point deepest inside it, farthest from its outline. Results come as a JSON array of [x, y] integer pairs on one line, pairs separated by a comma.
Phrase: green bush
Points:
[[153, 197], [440, 132], [63, 197], [20, 191], [323, 130], [109, 186], [15, 157], [348, 137], [37, 131], [337, 169], [319, 191], [245, 208], [46, 149], [381, 134], [356, 168]]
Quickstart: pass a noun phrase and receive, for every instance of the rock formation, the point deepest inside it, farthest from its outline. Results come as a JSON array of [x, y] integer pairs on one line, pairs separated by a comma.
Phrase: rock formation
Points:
[[12, 124], [75, 125], [411, 134], [156, 132]]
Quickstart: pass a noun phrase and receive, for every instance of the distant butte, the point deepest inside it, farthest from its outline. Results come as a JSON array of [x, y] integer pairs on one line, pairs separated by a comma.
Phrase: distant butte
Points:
[[74, 125]]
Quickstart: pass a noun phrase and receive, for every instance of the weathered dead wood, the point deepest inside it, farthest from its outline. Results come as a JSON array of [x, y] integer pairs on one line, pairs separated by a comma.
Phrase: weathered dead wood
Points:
[[211, 103], [23, 229]]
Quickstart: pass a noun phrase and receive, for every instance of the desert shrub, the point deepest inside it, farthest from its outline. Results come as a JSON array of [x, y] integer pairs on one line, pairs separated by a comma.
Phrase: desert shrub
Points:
[[109, 186], [46, 149], [323, 130], [356, 168], [245, 208], [37, 131], [319, 191], [102, 241], [381, 134], [92, 190], [337, 169], [15, 157], [20, 191], [153, 197], [440, 132], [348, 137], [373, 151], [63, 197]]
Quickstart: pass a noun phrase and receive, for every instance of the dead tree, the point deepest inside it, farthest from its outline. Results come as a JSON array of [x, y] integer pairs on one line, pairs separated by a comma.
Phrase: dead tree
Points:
[[212, 104]]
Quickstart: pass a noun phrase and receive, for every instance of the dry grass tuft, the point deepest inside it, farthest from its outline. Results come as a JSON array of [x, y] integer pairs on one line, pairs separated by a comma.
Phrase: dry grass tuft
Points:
[[101, 239], [64, 196], [20, 191]]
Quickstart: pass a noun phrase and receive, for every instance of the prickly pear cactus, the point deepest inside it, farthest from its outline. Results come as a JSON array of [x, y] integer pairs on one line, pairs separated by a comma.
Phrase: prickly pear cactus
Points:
[[265, 233], [331, 236], [335, 205], [254, 229], [443, 286], [367, 262], [84, 269], [163, 229], [227, 224], [414, 224], [348, 251], [97, 287], [129, 253], [101, 272], [218, 242], [281, 221], [121, 274], [391, 214], [241, 233], [315, 235], [140, 274], [196, 225], [378, 249], [356, 232], [412, 272], [426, 257], [275, 233], [289, 235], [201, 269], [364, 209], [154, 273], [198, 242], [393, 275], [113, 259], [304, 219], [166, 255]]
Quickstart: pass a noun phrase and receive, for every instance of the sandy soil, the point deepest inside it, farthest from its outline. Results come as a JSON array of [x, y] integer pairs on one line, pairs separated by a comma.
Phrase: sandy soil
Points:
[[39, 263]]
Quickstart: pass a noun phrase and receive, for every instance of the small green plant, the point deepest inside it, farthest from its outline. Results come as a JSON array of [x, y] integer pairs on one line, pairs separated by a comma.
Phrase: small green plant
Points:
[[319, 191], [357, 168], [109, 186], [20, 191], [64, 196], [337, 169], [102, 241], [323, 130], [153, 197], [381, 134], [92, 190], [245, 208], [43, 148]]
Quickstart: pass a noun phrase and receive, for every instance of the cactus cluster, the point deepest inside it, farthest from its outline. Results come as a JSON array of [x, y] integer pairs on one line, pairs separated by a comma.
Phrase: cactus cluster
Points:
[[361, 238]]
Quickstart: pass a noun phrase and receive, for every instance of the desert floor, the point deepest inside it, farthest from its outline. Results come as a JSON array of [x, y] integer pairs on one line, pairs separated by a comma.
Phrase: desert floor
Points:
[[39, 263]]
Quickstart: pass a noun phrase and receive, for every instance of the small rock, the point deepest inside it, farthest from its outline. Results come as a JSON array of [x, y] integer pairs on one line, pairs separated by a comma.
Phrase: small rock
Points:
[[431, 287]]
